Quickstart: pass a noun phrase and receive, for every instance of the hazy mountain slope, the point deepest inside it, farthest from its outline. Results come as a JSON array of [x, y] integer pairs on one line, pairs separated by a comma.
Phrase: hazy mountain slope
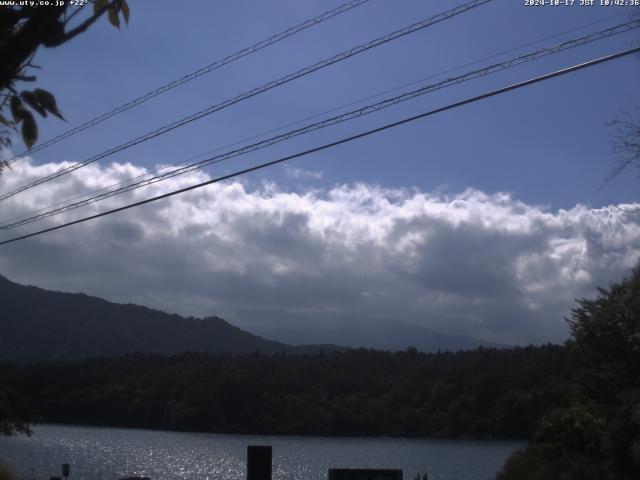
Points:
[[37, 324], [361, 332]]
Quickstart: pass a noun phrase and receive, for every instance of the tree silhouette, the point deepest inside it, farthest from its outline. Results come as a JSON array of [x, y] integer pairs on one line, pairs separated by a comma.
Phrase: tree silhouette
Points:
[[23, 30], [599, 435], [625, 138]]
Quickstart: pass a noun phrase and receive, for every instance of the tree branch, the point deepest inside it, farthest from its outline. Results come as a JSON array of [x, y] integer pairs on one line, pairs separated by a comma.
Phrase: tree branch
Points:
[[68, 19], [83, 26]]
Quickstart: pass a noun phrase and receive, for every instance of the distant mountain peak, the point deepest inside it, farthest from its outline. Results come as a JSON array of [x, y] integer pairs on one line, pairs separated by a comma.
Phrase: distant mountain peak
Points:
[[38, 324]]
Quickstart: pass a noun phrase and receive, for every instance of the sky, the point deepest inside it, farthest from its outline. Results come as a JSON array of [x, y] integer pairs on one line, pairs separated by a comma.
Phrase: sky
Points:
[[487, 220]]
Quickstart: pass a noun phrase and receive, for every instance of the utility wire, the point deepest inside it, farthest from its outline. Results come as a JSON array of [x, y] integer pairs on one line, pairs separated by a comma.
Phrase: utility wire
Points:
[[311, 22], [335, 120], [157, 170], [258, 90], [326, 146]]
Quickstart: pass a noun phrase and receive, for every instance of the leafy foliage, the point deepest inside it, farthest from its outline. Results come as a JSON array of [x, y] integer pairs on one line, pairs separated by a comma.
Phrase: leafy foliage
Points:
[[571, 430], [15, 413], [23, 29], [598, 436]]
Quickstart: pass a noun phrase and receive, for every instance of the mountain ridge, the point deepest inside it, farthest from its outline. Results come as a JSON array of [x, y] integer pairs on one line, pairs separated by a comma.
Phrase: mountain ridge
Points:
[[361, 332], [38, 324]]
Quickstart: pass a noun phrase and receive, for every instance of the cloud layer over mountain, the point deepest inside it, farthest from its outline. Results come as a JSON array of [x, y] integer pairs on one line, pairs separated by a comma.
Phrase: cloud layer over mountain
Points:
[[481, 264]]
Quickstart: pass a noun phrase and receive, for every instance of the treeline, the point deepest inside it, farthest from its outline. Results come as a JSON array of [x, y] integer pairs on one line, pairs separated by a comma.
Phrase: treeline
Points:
[[597, 437], [484, 393]]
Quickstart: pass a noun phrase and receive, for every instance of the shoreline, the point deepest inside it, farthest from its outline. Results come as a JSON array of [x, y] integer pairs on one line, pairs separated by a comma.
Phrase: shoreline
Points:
[[285, 436]]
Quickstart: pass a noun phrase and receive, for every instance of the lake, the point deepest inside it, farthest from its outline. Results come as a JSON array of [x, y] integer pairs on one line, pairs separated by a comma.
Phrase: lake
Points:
[[107, 453]]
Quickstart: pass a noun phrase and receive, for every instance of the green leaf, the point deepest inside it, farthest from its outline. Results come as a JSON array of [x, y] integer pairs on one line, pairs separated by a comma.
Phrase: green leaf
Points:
[[113, 17], [17, 109], [125, 10], [29, 130], [31, 100], [99, 5], [48, 101]]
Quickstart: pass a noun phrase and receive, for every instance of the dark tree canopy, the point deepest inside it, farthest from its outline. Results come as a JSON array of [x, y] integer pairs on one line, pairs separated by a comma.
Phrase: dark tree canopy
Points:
[[598, 437], [483, 393], [606, 331], [15, 413]]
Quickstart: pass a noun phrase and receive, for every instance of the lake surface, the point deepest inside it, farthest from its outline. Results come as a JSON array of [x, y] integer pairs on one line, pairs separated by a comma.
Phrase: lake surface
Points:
[[108, 453]]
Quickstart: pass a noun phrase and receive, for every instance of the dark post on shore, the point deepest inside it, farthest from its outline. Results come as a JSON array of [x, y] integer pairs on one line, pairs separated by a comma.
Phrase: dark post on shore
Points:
[[259, 462]]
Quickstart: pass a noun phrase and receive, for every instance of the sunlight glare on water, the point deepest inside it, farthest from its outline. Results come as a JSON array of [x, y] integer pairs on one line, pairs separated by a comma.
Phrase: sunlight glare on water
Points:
[[109, 453]]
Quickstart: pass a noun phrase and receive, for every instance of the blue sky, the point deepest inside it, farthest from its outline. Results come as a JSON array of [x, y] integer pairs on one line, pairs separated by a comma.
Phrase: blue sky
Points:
[[486, 220], [546, 144]]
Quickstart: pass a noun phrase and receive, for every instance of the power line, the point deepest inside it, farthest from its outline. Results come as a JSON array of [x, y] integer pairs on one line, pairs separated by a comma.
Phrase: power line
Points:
[[351, 138], [157, 171], [258, 90], [591, 37], [311, 22]]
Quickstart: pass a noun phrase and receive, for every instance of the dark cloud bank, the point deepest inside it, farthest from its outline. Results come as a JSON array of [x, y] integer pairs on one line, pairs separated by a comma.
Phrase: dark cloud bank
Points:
[[296, 266]]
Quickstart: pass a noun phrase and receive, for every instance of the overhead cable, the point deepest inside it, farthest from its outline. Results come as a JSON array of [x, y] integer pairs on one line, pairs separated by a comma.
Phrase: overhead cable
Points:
[[326, 146], [345, 7], [542, 52], [157, 170], [258, 90]]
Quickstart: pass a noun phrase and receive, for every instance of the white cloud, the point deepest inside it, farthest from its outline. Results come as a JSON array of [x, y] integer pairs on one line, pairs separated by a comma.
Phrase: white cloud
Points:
[[474, 263], [302, 174]]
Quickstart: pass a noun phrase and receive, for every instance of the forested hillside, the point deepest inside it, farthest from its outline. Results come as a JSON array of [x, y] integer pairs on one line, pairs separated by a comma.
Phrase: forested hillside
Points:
[[482, 393], [38, 324]]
